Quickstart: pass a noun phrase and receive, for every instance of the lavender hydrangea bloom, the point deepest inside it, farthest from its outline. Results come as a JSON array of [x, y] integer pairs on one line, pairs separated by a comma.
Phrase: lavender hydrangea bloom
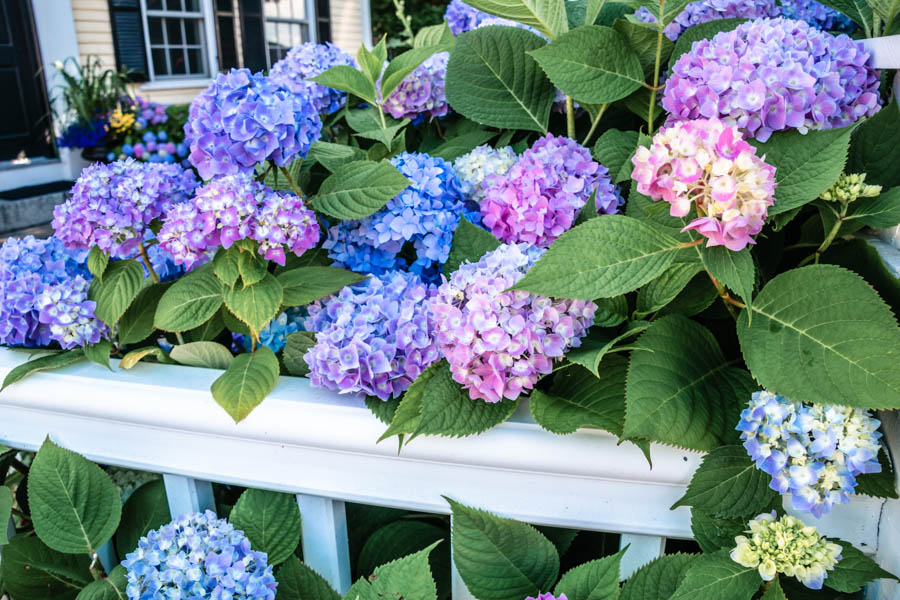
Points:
[[475, 167], [421, 93], [43, 295], [774, 74], [233, 208], [817, 14], [499, 342], [274, 335], [813, 452], [425, 213], [540, 196], [704, 11], [304, 62], [198, 556], [548, 596], [244, 119], [462, 18], [111, 206], [373, 338]]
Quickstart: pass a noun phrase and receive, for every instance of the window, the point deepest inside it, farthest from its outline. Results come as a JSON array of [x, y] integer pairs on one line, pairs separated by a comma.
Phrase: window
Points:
[[176, 45], [286, 25]]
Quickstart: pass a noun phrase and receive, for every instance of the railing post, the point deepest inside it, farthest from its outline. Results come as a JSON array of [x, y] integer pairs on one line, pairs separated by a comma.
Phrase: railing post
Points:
[[107, 556], [458, 588], [324, 539], [187, 495], [641, 550]]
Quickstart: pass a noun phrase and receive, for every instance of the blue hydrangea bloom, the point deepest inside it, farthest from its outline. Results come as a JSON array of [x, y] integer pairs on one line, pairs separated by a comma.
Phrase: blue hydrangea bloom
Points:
[[198, 556], [274, 335], [304, 62], [817, 14], [462, 18]]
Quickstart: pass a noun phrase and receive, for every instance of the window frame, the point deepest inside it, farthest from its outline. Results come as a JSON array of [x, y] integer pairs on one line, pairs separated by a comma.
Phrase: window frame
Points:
[[208, 44], [310, 20]]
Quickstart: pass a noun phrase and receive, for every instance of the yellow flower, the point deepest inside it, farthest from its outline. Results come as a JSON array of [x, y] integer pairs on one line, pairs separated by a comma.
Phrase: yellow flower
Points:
[[121, 122]]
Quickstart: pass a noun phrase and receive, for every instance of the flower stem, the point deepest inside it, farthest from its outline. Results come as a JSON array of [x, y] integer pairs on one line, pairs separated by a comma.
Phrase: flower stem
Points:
[[294, 187], [96, 573], [690, 244], [659, 44], [730, 303], [570, 117], [145, 258], [596, 122], [828, 238]]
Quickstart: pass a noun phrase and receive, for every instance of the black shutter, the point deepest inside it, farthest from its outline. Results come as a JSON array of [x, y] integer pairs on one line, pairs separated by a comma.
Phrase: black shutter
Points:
[[253, 39], [225, 30], [323, 21], [128, 37]]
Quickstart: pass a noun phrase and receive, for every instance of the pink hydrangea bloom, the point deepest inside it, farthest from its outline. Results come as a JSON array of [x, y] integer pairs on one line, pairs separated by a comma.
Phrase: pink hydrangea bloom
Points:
[[499, 342], [707, 165]]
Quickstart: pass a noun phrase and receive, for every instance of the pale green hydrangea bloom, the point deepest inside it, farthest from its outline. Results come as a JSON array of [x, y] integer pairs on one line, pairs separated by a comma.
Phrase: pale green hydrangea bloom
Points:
[[474, 167], [849, 188]]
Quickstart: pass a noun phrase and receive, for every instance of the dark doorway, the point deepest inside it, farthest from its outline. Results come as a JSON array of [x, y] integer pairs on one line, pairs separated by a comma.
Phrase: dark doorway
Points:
[[24, 110]]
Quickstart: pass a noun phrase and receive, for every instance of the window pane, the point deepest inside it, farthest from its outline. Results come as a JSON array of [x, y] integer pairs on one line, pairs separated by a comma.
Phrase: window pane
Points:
[[174, 5], [154, 4], [305, 32], [192, 31], [225, 5], [159, 62], [298, 9], [272, 8], [192, 5], [173, 32], [195, 58], [156, 30], [176, 59]]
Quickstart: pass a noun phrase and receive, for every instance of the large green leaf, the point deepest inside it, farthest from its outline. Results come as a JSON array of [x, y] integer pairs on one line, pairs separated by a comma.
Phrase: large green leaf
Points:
[[595, 580], [734, 269], [99, 353], [408, 416], [295, 348], [97, 261], [372, 124], [643, 42], [547, 16], [137, 322], [190, 302], [879, 212], [247, 381], [333, 156], [121, 282], [255, 305], [455, 147], [145, 510], [874, 149], [307, 284], [107, 588], [32, 571], [882, 484], [805, 165], [42, 363], [270, 520], [665, 288], [433, 35], [208, 355], [400, 538], [407, 577], [658, 579], [470, 243], [74, 505], [493, 81], [820, 334], [886, 9], [715, 533], [348, 79], [854, 570], [6, 504], [601, 258], [501, 559], [598, 344], [774, 591], [592, 64], [614, 150], [728, 484], [358, 189], [681, 390], [296, 581], [715, 576]]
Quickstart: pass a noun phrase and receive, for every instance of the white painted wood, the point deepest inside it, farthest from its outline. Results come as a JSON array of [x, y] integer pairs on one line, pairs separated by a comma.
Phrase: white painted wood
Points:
[[187, 495], [885, 51], [325, 546], [641, 550], [107, 556], [888, 552]]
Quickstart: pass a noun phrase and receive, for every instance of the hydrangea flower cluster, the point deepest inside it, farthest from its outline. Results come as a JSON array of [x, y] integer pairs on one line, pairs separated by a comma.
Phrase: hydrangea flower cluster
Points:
[[499, 342], [236, 207], [374, 338], [540, 196], [462, 18], [708, 165], [426, 214], [243, 119], [850, 188], [704, 11], [44, 295], [274, 335], [814, 452], [817, 14], [154, 146], [305, 61], [787, 546], [198, 556], [421, 93], [112, 206], [127, 481], [149, 113], [474, 168], [774, 74]]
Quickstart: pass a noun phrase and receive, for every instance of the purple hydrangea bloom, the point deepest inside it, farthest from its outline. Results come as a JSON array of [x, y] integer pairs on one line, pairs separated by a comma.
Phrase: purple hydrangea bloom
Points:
[[548, 596], [704, 11], [540, 196], [244, 119], [425, 213], [500, 342], [149, 113], [421, 93], [462, 18], [817, 14], [374, 338], [813, 452], [111, 206], [774, 74], [198, 556], [236, 207], [44, 295], [304, 62]]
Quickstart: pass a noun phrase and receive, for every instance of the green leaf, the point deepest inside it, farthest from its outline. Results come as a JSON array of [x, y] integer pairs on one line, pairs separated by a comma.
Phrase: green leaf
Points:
[[404, 64], [296, 347], [308, 284], [396, 540], [277, 180], [382, 409], [136, 324], [225, 265], [728, 484], [470, 243], [715, 576], [190, 302], [97, 261], [252, 267], [145, 510], [461, 144], [139, 354], [547, 16], [734, 269], [501, 559], [805, 165], [407, 577], [592, 64], [874, 149], [611, 311], [42, 363], [297, 581], [879, 212], [122, 281], [665, 288], [408, 416], [886, 9], [433, 35], [358, 189], [493, 81], [858, 10], [333, 156], [879, 485], [348, 79], [32, 571], [99, 353], [715, 533], [592, 11], [693, 299], [595, 580], [594, 347], [601, 258], [703, 31], [108, 588], [255, 305], [681, 391], [839, 339], [854, 570], [6, 504], [372, 62], [658, 579], [209, 355], [614, 150], [247, 381], [270, 520], [367, 123], [774, 591], [448, 410], [579, 399], [74, 504], [643, 42]]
